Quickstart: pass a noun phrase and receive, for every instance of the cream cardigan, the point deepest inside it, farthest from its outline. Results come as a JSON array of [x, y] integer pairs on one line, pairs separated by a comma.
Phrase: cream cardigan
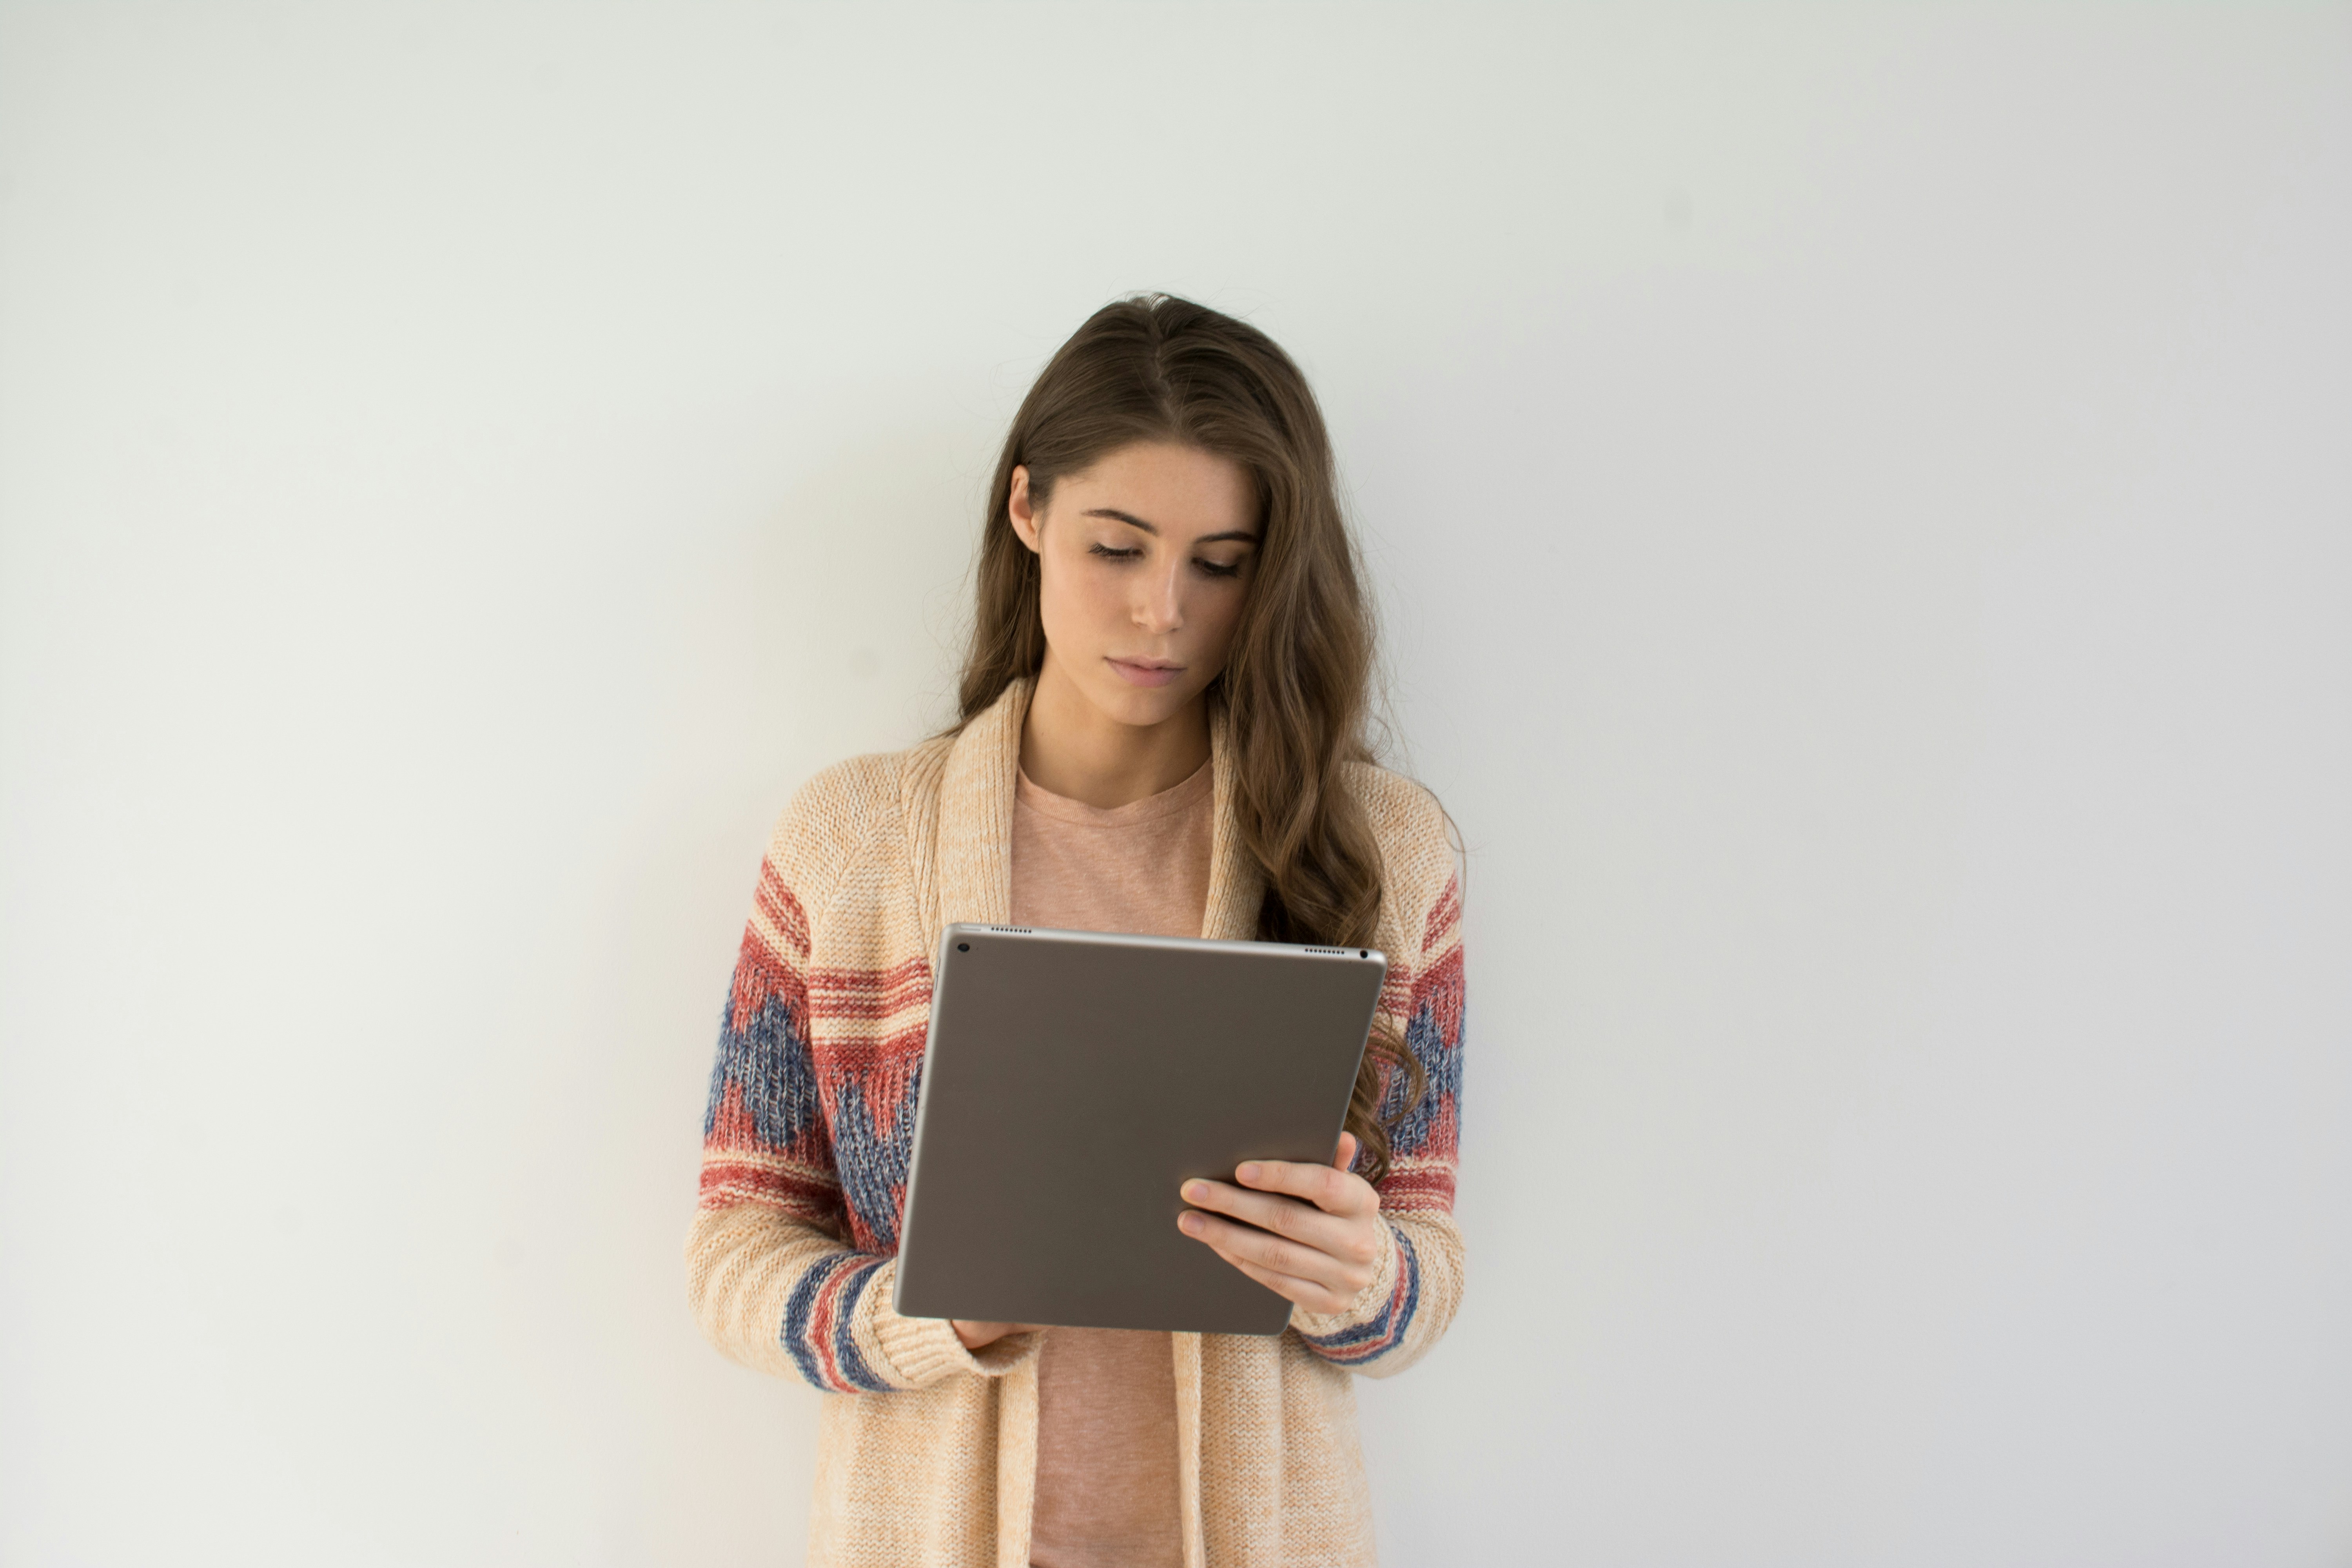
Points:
[[926, 1451]]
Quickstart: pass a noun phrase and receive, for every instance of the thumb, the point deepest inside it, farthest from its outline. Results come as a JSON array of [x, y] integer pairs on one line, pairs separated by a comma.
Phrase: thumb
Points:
[[1346, 1157]]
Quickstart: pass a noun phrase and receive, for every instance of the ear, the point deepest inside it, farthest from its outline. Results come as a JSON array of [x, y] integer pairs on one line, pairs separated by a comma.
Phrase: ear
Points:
[[1026, 522]]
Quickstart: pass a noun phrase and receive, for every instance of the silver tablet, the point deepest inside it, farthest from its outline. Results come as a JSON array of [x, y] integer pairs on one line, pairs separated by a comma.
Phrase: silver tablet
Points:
[[1074, 1080]]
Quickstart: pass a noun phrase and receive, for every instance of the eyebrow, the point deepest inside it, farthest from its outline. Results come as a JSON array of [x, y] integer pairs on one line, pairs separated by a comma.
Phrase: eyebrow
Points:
[[1133, 522]]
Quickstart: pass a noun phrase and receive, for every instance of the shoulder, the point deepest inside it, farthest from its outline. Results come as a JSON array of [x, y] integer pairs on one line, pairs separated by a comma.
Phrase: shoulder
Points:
[[1403, 815], [1415, 839], [848, 812]]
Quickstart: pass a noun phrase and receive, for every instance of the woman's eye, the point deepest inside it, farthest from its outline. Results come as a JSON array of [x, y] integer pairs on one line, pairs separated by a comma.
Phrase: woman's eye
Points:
[[1110, 553], [1219, 568]]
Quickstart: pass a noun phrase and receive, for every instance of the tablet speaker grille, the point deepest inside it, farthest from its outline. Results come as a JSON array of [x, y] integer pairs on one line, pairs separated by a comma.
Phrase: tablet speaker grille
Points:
[[1016, 931], [1334, 951]]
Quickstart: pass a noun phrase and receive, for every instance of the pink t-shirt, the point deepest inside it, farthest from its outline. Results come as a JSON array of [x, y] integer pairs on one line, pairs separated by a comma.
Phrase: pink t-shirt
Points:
[[1106, 1466]]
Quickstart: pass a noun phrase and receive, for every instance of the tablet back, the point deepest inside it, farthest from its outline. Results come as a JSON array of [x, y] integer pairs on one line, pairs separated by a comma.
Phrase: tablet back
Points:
[[1073, 1081]]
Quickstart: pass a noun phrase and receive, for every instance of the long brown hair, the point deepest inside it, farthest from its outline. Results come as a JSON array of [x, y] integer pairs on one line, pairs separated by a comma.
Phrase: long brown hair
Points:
[[1296, 688]]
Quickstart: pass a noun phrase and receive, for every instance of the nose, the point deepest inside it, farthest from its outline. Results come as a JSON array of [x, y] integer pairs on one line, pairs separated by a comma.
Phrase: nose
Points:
[[1158, 607]]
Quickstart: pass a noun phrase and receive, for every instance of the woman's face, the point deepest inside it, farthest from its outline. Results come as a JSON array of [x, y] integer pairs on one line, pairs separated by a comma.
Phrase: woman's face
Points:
[[1144, 558]]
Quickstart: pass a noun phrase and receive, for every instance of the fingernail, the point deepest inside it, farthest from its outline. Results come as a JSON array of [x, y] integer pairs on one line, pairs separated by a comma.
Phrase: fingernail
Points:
[[1196, 1191], [1248, 1172], [1190, 1224]]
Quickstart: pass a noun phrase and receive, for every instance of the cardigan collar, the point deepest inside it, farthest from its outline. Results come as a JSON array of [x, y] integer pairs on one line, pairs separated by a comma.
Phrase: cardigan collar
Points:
[[972, 849]]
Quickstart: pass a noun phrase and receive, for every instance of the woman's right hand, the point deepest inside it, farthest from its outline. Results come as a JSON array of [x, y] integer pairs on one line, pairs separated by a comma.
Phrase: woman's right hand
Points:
[[975, 1335]]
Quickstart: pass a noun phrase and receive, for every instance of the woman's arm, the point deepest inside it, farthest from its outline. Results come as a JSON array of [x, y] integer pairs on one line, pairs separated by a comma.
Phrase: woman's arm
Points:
[[771, 1282], [784, 1297], [1375, 1272]]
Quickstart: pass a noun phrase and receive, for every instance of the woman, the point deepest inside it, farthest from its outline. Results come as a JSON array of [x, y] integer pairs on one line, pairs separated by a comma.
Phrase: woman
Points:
[[1161, 730]]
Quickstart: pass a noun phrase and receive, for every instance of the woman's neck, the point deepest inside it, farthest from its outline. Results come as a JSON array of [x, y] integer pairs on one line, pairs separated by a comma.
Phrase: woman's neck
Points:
[[1071, 748]]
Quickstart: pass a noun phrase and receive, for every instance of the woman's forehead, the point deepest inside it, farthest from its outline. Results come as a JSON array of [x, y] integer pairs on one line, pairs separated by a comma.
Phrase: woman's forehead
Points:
[[1165, 489]]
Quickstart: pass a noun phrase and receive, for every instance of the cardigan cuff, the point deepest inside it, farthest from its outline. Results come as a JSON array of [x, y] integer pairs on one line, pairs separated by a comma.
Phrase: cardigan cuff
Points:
[[920, 1352]]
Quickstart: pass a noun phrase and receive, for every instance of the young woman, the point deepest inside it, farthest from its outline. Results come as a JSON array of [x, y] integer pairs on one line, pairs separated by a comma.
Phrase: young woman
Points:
[[1161, 732]]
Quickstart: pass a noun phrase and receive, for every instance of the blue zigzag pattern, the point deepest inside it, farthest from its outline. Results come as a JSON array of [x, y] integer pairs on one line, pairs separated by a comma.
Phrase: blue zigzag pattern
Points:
[[1442, 1064], [769, 1060], [873, 1166]]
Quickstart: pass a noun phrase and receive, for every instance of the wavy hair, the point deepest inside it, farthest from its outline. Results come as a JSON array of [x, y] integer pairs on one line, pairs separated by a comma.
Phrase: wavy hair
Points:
[[1296, 688]]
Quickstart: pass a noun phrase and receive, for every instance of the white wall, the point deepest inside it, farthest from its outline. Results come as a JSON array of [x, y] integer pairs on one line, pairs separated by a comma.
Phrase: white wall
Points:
[[1864, 503]]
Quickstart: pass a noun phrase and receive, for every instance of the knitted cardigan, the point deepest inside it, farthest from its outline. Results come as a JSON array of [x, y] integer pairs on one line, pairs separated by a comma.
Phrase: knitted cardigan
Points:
[[926, 1451]]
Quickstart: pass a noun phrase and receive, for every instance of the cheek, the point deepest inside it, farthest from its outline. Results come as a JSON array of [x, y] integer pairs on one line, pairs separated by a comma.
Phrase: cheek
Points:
[[1068, 600], [1219, 612]]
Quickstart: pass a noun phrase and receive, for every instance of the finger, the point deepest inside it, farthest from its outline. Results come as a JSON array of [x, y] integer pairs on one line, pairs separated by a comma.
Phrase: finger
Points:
[[976, 1336], [1328, 1188], [1273, 1253], [1346, 1158], [1244, 1243], [1346, 1238], [1306, 1293]]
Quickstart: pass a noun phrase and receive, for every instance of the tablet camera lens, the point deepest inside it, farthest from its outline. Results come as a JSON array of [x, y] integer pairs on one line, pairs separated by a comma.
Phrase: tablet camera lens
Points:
[[1366, 953], [963, 947]]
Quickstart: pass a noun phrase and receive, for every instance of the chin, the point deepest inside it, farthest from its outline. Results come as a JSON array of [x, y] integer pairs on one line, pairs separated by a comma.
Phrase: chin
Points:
[[1143, 706]]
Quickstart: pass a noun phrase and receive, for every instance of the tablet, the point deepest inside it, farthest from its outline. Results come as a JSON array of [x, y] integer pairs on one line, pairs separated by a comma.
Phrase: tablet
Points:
[[1074, 1080]]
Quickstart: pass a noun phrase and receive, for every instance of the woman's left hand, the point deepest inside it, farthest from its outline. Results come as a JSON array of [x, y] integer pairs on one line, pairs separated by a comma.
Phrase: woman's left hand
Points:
[[1310, 1233]]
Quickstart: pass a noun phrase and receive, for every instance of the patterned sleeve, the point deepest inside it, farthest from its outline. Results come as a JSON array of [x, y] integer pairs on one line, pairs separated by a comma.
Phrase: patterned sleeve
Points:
[[772, 1281], [1413, 1294]]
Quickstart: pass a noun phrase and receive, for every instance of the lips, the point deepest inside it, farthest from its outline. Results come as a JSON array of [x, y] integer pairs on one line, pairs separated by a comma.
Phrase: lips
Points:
[[1145, 671]]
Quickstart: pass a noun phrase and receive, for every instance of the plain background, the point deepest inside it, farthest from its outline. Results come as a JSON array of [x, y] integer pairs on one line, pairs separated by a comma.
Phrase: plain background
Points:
[[1862, 499]]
